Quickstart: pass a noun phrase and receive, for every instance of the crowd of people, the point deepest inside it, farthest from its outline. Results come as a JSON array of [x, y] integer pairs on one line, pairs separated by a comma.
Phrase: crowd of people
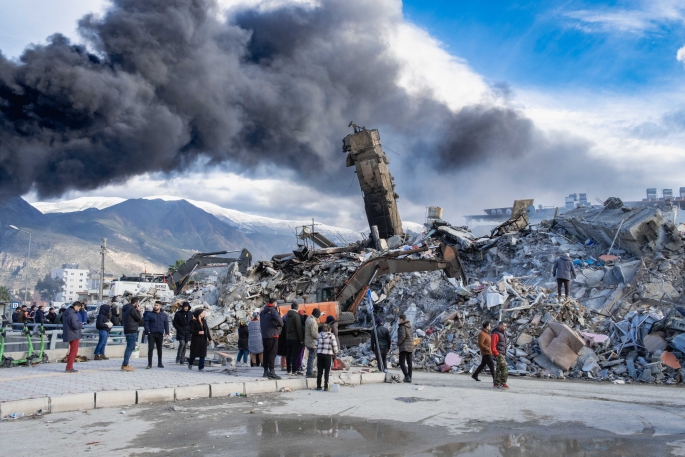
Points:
[[266, 336]]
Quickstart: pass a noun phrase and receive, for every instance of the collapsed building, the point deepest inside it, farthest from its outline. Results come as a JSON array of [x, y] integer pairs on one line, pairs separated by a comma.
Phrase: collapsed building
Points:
[[624, 321]]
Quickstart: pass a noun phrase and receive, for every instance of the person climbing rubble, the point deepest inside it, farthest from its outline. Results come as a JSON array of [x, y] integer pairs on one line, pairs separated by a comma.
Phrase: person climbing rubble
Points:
[[384, 343], [271, 324], [498, 346], [311, 334], [484, 344], [564, 272], [405, 344]]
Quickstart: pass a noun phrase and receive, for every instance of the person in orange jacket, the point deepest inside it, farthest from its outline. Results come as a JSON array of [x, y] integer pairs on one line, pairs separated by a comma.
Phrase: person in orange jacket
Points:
[[484, 343]]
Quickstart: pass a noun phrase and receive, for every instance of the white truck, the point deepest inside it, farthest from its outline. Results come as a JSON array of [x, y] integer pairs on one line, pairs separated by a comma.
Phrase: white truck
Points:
[[145, 283]]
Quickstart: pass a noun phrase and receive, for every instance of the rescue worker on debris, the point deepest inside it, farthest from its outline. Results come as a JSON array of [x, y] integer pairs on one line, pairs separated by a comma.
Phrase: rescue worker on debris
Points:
[[498, 346], [484, 344], [564, 272]]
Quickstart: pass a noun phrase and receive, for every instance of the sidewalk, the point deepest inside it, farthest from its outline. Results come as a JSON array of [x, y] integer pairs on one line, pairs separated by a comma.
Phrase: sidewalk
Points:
[[105, 375]]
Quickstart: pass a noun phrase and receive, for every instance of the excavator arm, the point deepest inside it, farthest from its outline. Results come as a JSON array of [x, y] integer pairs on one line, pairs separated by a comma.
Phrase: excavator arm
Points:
[[391, 264], [206, 260]]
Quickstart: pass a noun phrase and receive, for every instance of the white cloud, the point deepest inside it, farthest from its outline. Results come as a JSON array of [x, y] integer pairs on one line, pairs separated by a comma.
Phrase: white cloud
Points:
[[680, 55], [647, 16]]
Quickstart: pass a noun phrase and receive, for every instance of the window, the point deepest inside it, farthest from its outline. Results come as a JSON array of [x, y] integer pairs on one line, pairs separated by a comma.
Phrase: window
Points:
[[72, 274], [80, 274]]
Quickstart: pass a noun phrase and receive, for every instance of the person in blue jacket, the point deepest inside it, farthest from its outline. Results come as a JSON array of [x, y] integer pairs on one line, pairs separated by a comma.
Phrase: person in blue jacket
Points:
[[156, 325]]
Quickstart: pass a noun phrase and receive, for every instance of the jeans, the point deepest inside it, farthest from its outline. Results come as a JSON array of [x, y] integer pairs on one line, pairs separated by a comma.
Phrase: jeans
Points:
[[73, 351], [242, 355], [154, 339], [131, 339], [201, 363], [181, 353], [323, 366], [270, 351], [406, 357], [293, 357], [102, 342], [487, 360], [310, 360]]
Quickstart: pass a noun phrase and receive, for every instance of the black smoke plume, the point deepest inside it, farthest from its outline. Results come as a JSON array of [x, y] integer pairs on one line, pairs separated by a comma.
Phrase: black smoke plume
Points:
[[164, 83]]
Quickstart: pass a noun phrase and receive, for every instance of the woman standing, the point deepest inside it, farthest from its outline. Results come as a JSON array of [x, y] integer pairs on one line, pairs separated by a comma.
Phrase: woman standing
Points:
[[405, 343], [254, 342], [243, 335], [326, 350], [103, 326], [199, 340]]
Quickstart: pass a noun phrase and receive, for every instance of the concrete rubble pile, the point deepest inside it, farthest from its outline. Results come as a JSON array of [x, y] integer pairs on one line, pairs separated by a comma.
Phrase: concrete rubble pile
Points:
[[623, 322]]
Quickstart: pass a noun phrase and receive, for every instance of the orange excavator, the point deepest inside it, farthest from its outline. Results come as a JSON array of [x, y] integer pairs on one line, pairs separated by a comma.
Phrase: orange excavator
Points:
[[344, 302]]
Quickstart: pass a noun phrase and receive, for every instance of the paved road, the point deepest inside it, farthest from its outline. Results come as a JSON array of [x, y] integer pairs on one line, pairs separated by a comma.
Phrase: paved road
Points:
[[450, 416]]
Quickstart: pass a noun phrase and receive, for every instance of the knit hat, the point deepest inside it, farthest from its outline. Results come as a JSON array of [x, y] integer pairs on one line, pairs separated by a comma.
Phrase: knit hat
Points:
[[330, 319], [379, 321], [300, 311]]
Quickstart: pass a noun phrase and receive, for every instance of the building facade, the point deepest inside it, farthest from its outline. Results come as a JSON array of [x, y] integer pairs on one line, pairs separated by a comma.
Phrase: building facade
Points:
[[75, 282]]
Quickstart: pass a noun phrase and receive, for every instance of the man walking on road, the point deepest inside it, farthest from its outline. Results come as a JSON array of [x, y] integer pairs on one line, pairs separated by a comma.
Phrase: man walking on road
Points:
[[484, 344], [157, 329], [311, 334], [71, 333], [564, 272], [295, 339], [130, 319], [271, 324], [498, 347]]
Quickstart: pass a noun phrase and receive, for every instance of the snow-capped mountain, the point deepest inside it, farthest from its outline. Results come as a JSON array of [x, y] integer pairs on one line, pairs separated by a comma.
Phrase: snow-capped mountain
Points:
[[77, 204]]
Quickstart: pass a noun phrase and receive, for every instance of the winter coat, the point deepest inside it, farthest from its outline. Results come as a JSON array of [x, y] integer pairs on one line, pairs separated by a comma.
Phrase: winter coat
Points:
[[295, 331], [182, 320], [384, 340], [326, 344], [83, 316], [563, 268], [484, 343], [39, 317], [498, 343], [254, 342], [59, 318], [71, 327], [15, 316], [311, 331], [243, 336], [130, 319], [270, 322], [50, 318], [405, 337], [199, 343], [282, 348], [156, 322], [116, 316], [103, 318]]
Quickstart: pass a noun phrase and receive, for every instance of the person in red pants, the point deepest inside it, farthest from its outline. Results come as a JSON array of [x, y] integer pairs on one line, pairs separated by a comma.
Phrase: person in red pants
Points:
[[71, 333]]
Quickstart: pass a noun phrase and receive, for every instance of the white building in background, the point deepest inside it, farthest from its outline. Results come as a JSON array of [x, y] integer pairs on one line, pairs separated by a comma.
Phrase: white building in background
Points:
[[75, 282]]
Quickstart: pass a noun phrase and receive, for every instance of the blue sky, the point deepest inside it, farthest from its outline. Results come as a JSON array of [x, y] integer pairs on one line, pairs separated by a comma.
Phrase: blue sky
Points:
[[554, 43]]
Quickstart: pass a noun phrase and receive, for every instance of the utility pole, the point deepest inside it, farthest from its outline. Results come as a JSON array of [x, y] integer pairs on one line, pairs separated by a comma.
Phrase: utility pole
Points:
[[103, 249]]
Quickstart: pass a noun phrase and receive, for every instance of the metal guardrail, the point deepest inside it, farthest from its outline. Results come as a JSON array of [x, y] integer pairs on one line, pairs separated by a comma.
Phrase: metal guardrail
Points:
[[15, 340]]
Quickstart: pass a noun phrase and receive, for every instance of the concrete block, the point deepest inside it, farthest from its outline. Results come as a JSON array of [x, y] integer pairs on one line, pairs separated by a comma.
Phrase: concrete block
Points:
[[346, 379], [372, 378], [28, 406], [294, 384], [75, 402], [155, 395], [188, 392], [228, 389], [311, 383], [113, 398], [260, 387]]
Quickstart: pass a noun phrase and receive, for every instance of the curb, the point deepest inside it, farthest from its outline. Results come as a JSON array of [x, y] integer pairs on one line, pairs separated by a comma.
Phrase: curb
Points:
[[118, 398]]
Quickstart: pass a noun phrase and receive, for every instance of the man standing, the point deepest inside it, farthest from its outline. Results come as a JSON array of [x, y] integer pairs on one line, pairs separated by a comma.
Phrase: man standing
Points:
[[484, 344], [39, 315], [182, 320], [131, 319], [295, 339], [271, 324], [498, 347], [83, 314], [405, 344], [50, 318], [311, 334], [156, 328], [384, 342], [71, 333], [564, 272]]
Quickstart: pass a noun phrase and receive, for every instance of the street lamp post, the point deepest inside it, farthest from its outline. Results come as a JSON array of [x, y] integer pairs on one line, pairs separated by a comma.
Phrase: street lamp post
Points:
[[28, 256]]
